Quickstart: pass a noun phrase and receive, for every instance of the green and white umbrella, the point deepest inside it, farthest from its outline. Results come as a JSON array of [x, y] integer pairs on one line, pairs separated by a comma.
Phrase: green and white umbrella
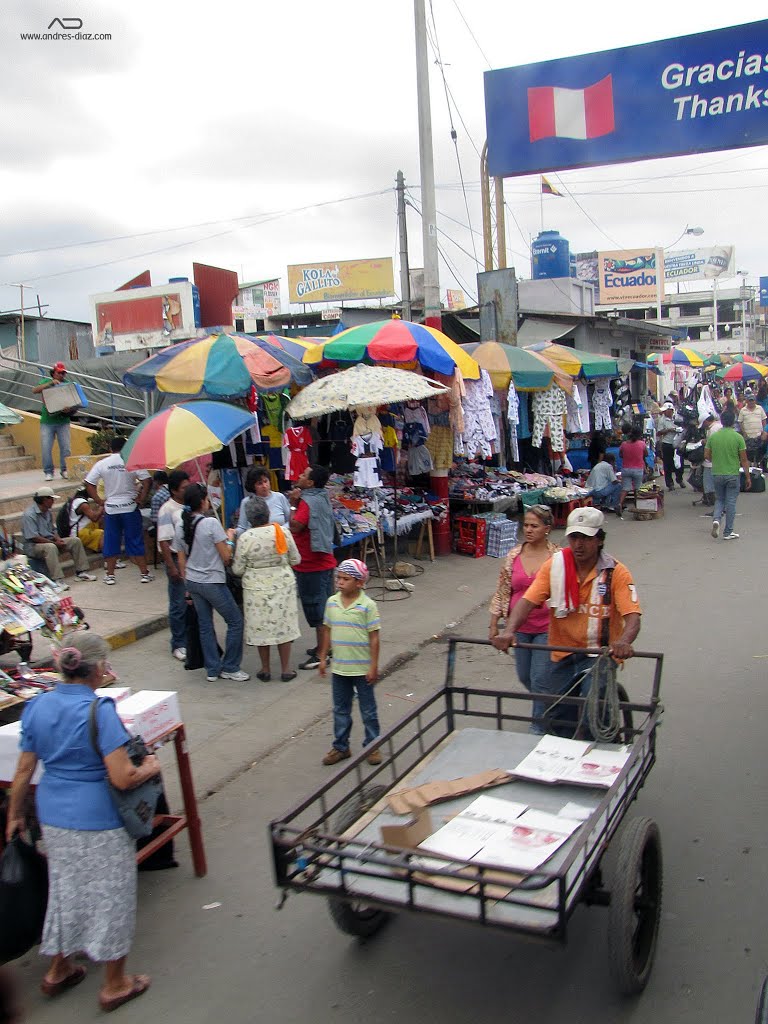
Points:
[[361, 386], [8, 416]]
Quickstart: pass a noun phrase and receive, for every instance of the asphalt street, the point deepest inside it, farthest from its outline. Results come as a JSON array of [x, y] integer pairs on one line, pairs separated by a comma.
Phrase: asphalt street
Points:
[[217, 947]]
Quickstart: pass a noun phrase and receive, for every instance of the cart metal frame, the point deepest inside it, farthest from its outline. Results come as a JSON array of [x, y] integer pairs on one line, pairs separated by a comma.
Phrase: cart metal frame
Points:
[[314, 853]]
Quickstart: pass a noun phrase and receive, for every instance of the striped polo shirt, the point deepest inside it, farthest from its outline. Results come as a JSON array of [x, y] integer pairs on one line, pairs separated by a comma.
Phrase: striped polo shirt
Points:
[[349, 633]]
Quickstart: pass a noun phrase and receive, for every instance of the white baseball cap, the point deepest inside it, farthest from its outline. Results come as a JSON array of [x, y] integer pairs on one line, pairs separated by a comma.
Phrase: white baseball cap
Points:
[[588, 521]]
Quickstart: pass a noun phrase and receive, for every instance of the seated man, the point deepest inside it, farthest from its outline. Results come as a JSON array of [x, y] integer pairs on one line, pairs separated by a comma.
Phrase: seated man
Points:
[[42, 541], [603, 484]]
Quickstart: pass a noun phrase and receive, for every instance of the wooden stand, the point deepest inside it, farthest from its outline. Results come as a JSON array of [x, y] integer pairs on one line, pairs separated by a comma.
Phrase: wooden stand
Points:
[[426, 527]]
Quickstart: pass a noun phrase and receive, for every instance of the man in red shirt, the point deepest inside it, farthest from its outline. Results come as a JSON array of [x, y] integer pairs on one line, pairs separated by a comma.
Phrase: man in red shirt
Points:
[[312, 526]]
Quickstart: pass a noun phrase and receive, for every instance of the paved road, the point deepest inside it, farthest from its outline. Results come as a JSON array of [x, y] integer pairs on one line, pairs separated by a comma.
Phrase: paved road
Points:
[[242, 961]]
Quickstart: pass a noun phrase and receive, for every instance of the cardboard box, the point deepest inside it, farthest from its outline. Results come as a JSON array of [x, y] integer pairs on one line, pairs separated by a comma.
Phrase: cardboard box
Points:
[[9, 753], [413, 831], [117, 693], [647, 505], [150, 713], [64, 396]]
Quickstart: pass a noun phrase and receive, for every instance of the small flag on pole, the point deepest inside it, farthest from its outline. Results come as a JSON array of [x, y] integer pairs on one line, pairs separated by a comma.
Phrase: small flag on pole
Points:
[[548, 189]]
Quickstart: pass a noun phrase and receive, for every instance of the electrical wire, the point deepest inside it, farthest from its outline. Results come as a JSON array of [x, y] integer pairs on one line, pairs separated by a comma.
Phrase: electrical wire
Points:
[[472, 34], [589, 217]]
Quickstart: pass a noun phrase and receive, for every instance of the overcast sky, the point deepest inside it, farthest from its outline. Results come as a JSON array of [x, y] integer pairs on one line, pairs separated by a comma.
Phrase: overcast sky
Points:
[[251, 136]]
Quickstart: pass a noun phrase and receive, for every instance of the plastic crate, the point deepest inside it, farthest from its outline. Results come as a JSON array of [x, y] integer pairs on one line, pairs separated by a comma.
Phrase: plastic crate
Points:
[[469, 536]]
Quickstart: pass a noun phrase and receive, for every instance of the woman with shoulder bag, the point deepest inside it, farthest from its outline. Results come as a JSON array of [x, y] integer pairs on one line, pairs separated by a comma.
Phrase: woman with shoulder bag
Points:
[[91, 856], [204, 554]]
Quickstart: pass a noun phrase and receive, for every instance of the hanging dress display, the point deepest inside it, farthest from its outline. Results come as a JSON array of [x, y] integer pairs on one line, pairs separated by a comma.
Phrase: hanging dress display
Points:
[[366, 449], [479, 428], [296, 443], [602, 400], [513, 418], [548, 411]]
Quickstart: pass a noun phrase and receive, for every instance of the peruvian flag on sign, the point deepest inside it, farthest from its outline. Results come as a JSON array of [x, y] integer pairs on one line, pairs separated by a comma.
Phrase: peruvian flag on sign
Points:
[[571, 113]]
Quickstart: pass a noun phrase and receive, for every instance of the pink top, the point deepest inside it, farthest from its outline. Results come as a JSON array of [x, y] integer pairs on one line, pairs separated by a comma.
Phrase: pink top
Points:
[[538, 620], [632, 454]]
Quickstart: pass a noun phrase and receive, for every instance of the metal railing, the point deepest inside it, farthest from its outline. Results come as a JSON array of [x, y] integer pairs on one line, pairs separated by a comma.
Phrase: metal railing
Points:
[[110, 402]]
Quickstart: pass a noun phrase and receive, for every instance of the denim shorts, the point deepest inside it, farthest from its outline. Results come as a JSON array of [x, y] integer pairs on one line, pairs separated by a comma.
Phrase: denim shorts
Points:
[[631, 479], [314, 590]]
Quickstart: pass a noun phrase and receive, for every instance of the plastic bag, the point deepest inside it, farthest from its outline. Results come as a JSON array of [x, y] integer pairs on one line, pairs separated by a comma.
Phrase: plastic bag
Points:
[[194, 659], [23, 898]]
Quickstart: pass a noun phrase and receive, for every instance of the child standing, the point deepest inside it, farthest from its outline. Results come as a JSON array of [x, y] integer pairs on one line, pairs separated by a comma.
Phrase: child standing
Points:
[[351, 628]]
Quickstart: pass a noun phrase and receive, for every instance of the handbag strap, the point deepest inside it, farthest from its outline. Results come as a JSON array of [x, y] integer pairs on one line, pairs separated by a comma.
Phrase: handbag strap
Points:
[[93, 726]]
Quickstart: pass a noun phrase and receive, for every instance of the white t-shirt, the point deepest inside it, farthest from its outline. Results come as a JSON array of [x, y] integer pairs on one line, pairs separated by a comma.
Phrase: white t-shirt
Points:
[[168, 518], [120, 485], [77, 519]]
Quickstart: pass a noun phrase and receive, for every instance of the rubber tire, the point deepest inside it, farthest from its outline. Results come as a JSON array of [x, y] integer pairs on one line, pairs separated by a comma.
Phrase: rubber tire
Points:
[[632, 937], [356, 918], [761, 1016]]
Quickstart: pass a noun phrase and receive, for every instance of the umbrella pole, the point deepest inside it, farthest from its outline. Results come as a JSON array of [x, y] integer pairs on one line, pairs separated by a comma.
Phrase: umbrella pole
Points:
[[394, 558], [200, 471]]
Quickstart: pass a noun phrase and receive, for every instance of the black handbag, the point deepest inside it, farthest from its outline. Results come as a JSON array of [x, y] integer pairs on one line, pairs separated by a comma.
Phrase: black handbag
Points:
[[23, 898], [135, 806]]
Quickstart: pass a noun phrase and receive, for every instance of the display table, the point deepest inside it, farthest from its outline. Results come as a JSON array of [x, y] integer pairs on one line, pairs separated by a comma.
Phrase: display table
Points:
[[368, 545], [472, 506]]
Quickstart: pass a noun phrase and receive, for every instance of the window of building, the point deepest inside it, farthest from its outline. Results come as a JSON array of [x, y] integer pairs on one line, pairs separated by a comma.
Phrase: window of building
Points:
[[240, 325]]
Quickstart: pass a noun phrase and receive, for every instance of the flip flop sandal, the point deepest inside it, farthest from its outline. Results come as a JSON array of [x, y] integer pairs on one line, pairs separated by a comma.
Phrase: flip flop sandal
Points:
[[55, 988], [138, 989], [288, 676], [264, 676]]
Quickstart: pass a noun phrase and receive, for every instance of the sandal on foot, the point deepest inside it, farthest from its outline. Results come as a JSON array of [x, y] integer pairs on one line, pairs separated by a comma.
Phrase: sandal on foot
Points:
[[264, 676], [288, 676], [140, 985], [55, 988]]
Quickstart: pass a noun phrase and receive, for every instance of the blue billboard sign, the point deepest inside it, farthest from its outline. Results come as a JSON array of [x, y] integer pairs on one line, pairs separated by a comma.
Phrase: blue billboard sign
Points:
[[693, 94], [763, 292]]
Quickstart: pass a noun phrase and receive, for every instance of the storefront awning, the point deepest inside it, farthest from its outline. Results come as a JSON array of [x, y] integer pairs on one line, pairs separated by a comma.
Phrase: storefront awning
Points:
[[534, 330]]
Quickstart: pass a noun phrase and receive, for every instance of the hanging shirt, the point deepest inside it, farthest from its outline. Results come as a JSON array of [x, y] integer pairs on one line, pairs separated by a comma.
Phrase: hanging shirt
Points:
[[296, 443], [366, 448]]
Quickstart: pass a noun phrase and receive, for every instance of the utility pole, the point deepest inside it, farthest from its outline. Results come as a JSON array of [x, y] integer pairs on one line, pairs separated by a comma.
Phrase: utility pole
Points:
[[23, 339], [402, 229], [432, 311]]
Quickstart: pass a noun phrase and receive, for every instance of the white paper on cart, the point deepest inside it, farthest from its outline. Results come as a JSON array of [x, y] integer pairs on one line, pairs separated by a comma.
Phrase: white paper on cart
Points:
[[466, 834], [531, 841], [598, 767], [551, 759], [575, 811]]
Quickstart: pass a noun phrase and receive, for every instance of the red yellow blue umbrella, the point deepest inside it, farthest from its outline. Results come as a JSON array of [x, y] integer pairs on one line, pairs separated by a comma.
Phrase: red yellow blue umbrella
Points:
[[183, 432], [743, 372]]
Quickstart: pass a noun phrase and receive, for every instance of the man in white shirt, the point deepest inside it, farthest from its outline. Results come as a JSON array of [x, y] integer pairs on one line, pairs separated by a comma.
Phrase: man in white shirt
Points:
[[752, 426], [603, 485], [168, 518], [124, 491]]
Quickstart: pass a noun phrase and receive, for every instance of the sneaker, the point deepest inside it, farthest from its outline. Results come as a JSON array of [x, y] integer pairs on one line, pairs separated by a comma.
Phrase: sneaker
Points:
[[62, 585], [120, 564], [374, 757], [312, 662], [64, 475], [334, 756], [311, 651], [730, 536], [147, 577], [86, 577], [236, 677], [715, 528], [180, 653], [109, 579], [211, 679], [49, 476]]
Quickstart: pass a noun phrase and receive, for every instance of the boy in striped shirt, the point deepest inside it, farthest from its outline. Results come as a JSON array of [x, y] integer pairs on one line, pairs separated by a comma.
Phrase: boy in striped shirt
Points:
[[351, 628]]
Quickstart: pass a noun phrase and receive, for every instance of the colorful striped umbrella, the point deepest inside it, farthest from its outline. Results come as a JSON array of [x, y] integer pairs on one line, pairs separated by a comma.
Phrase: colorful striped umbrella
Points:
[[687, 357], [575, 362], [739, 357], [395, 341], [220, 365], [184, 432], [743, 372], [295, 347], [300, 373], [529, 371]]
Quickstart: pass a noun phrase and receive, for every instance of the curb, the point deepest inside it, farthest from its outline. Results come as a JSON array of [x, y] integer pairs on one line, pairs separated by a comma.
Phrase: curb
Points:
[[141, 630]]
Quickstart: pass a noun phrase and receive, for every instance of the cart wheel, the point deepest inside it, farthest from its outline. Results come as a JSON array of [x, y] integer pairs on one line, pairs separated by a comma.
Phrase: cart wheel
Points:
[[628, 733], [355, 917], [761, 1017], [636, 905]]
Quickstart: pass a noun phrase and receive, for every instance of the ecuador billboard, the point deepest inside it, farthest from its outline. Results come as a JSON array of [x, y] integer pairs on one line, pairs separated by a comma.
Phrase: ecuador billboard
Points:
[[691, 94], [337, 282], [700, 264], [629, 276]]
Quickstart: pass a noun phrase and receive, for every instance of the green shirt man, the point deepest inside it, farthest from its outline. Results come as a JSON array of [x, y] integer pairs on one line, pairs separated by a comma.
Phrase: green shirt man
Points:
[[728, 451]]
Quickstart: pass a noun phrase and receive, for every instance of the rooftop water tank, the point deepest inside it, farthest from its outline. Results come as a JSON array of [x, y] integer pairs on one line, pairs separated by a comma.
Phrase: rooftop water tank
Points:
[[551, 256], [195, 299]]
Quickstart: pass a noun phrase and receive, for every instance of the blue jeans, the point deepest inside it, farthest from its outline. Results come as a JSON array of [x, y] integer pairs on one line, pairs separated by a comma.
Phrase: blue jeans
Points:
[[563, 675], [344, 688], [726, 493], [708, 483], [608, 496], [177, 612], [49, 431], [534, 672], [206, 598]]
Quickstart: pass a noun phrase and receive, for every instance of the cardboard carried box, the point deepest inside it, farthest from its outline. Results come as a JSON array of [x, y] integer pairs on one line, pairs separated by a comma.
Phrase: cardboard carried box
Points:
[[150, 713], [117, 693], [9, 753], [64, 396]]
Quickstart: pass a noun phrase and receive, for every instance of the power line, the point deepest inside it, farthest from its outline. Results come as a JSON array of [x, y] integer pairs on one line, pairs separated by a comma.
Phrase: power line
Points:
[[474, 37], [589, 217]]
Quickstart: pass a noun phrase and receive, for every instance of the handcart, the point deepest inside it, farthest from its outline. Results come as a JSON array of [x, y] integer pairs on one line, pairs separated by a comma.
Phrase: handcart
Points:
[[331, 843]]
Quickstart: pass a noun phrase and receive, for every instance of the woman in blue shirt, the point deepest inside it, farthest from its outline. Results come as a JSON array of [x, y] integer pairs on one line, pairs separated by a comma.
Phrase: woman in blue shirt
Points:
[[91, 857]]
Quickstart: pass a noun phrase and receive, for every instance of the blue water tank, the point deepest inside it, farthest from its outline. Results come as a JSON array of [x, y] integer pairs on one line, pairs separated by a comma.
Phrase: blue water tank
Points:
[[195, 299], [551, 255]]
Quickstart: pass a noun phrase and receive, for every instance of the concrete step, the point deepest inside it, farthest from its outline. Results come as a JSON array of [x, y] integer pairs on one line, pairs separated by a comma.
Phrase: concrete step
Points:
[[6, 441], [12, 451], [18, 502], [16, 463]]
